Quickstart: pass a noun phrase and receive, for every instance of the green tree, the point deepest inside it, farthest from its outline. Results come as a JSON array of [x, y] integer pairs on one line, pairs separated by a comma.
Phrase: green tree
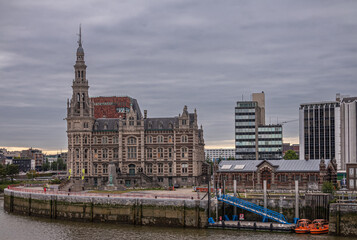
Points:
[[231, 158], [45, 166], [328, 187], [2, 172], [291, 155], [12, 170]]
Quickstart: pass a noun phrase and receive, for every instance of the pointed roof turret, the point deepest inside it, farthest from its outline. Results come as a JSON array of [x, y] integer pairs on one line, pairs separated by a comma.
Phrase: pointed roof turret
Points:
[[80, 48]]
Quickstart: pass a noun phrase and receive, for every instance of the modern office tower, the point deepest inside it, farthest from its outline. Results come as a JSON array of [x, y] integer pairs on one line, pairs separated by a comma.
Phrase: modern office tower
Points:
[[270, 142], [329, 130], [249, 125], [348, 130], [320, 136]]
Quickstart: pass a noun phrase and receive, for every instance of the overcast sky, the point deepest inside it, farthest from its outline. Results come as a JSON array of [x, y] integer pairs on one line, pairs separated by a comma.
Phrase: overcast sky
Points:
[[204, 54]]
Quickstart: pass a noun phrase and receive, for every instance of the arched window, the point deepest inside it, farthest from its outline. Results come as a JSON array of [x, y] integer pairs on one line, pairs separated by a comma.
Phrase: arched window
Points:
[[82, 74], [149, 139], [95, 153], [104, 140], [85, 140], [77, 153], [96, 126], [150, 125], [161, 125], [171, 126], [78, 97], [105, 126], [85, 153], [79, 73], [131, 141], [77, 140], [160, 139], [115, 140], [95, 140], [170, 139]]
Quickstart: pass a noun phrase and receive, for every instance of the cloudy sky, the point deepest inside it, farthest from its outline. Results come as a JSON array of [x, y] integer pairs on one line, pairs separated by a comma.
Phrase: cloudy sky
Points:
[[206, 54]]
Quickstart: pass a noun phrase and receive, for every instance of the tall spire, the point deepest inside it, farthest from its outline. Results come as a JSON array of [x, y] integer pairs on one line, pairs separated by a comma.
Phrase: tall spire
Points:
[[80, 35]]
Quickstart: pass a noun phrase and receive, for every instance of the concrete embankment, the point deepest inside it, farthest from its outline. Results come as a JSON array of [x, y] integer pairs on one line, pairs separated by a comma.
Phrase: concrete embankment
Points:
[[343, 219], [137, 211]]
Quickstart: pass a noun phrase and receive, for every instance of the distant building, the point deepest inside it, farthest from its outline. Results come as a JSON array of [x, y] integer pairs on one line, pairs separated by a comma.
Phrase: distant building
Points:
[[329, 130], [36, 155], [279, 174], [220, 153], [24, 164], [253, 139]]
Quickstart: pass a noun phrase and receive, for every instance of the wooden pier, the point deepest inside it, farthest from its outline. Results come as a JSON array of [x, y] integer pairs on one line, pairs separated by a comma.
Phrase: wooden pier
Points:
[[256, 226]]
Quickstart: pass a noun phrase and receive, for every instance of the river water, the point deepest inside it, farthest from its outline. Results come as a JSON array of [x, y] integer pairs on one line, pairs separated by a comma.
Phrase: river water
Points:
[[15, 227]]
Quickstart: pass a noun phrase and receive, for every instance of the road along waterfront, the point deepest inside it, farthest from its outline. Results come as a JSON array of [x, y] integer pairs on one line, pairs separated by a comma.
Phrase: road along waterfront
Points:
[[25, 227]]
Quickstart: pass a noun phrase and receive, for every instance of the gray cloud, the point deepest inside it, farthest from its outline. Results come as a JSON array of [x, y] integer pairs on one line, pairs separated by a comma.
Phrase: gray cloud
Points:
[[204, 54]]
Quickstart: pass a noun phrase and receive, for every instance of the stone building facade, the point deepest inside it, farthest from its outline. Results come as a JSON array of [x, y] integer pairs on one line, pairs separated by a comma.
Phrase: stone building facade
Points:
[[279, 174], [126, 148]]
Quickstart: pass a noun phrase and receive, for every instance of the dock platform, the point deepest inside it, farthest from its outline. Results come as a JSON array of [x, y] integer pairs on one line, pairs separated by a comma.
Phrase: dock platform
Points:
[[257, 226]]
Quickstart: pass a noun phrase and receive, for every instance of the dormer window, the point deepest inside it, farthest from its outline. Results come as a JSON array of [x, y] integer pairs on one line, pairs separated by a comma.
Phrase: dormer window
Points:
[[131, 121], [105, 126], [150, 125]]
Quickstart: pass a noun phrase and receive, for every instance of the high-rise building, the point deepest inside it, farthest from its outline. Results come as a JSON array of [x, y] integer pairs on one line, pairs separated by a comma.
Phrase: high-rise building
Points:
[[329, 130], [253, 139], [320, 130], [348, 130]]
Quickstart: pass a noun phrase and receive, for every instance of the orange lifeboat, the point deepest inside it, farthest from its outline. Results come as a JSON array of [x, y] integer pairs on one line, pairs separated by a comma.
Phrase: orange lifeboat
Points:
[[319, 226], [303, 226]]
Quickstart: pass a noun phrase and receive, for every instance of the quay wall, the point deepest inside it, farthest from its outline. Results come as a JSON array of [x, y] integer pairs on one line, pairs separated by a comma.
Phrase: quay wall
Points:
[[136, 211], [343, 219]]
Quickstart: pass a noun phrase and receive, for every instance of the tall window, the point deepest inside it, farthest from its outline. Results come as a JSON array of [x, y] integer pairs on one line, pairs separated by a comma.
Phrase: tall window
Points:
[[170, 139], [184, 168], [132, 169], [105, 153], [160, 139], [184, 139], [131, 121], [105, 168], [115, 154], [170, 167], [149, 168], [170, 152], [77, 153], [77, 140], [104, 140], [85, 153], [160, 168], [149, 139], [131, 152], [115, 140], [95, 154], [95, 168], [95, 141], [85, 140], [184, 153], [149, 153], [160, 153]]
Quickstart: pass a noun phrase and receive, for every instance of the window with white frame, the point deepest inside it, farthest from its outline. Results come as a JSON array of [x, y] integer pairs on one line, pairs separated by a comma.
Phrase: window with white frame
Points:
[[184, 139], [184, 152], [160, 153], [131, 152]]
